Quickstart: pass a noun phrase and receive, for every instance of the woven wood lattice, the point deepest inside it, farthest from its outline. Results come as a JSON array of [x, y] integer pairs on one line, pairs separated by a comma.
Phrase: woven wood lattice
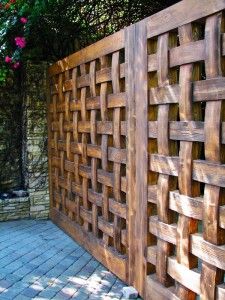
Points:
[[88, 148], [186, 191], [137, 151]]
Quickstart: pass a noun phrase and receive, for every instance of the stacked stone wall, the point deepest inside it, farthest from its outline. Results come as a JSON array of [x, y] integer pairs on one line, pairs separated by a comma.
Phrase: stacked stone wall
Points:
[[29, 169]]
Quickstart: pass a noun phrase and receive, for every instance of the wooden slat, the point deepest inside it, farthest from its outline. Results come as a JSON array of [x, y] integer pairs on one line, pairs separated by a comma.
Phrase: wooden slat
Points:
[[187, 53], [221, 291], [205, 90], [103, 47], [141, 98], [209, 172], [118, 209], [182, 275], [185, 205], [192, 131], [132, 200], [181, 13], [164, 164], [208, 252], [151, 254], [209, 89], [166, 232], [165, 94], [155, 290]]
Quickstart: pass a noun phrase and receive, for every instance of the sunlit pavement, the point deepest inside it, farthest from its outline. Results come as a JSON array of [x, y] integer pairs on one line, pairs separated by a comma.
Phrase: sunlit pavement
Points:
[[39, 261]]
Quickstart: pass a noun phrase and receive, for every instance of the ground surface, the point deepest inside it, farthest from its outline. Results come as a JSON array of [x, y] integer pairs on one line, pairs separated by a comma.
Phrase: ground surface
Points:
[[39, 261]]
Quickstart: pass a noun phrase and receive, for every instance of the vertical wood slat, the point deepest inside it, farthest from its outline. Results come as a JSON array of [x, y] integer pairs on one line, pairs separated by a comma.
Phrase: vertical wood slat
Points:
[[83, 96], [75, 139], [141, 104], [94, 161], [131, 152], [104, 144], [211, 276], [185, 225], [117, 144], [163, 248]]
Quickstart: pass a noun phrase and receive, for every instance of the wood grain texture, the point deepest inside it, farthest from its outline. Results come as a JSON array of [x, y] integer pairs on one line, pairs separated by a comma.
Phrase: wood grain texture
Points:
[[132, 201], [180, 14], [141, 135]]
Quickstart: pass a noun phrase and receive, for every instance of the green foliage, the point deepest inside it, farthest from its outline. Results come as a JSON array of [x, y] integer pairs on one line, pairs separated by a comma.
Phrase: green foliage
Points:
[[3, 74], [56, 28]]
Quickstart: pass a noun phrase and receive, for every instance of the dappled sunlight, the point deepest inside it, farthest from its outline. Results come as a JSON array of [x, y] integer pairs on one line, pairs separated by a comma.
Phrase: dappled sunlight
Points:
[[35, 266]]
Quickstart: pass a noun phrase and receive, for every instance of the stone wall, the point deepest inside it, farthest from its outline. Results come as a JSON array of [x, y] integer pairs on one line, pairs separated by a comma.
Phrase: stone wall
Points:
[[30, 169], [35, 149], [13, 209]]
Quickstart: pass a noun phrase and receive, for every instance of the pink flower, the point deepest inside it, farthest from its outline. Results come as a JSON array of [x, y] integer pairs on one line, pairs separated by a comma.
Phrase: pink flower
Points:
[[8, 59], [20, 42], [23, 20], [16, 65]]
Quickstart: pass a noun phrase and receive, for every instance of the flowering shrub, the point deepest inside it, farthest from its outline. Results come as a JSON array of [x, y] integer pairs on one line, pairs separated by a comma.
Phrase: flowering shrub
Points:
[[51, 29], [14, 30]]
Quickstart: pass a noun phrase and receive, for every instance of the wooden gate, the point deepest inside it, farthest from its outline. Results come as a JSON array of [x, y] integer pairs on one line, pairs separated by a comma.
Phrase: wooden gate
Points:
[[137, 155]]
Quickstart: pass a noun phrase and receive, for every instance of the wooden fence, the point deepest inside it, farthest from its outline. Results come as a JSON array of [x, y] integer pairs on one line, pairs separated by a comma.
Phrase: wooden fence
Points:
[[137, 151]]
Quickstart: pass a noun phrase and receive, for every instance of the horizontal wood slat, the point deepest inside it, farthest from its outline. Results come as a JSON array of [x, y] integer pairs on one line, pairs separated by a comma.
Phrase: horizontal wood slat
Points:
[[181, 13], [105, 46], [206, 90]]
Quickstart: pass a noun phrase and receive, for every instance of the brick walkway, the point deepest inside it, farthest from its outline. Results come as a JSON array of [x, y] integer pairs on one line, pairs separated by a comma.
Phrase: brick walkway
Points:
[[39, 261]]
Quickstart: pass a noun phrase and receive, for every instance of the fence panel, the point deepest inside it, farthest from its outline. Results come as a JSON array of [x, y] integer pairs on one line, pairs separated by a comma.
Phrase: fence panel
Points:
[[137, 151], [88, 150], [186, 152]]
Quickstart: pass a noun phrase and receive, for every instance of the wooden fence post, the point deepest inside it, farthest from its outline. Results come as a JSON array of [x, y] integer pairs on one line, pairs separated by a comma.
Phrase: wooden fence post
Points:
[[141, 102], [131, 150]]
